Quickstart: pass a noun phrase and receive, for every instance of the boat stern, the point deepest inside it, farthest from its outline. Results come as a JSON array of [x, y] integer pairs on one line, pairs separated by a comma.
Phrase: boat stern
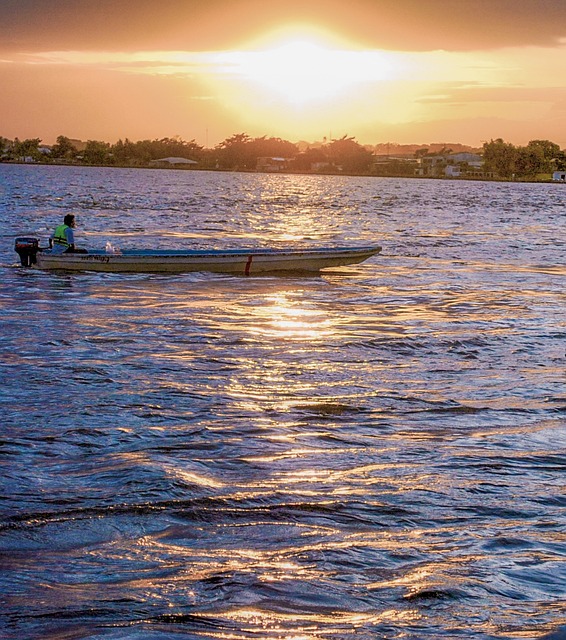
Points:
[[27, 249]]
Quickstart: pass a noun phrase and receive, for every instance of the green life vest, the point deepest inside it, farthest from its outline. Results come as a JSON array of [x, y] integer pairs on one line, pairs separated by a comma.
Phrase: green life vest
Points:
[[59, 237]]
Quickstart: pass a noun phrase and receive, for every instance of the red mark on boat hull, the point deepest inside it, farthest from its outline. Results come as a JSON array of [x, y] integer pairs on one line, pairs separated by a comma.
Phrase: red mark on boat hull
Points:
[[248, 265]]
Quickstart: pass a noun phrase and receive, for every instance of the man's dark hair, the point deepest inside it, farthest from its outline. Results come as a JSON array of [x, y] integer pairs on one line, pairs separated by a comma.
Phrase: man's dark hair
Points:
[[69, 219]]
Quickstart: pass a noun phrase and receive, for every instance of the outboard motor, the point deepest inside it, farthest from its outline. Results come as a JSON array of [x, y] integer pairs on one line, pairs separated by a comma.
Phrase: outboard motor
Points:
[[27, 249]]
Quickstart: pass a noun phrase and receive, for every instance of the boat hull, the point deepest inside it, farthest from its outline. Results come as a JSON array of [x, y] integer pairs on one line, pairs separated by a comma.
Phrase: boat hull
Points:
[[235, 261]]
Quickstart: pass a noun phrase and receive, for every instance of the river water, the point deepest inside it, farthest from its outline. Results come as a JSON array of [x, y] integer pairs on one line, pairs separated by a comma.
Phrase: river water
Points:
[[377, 452]]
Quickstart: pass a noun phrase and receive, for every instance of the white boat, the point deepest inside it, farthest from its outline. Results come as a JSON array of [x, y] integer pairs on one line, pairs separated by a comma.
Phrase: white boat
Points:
[[235, 261]]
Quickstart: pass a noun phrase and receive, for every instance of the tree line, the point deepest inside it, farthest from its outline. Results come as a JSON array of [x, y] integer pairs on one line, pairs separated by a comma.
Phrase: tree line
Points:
[[238, 152], [509, 161], [241, 152]]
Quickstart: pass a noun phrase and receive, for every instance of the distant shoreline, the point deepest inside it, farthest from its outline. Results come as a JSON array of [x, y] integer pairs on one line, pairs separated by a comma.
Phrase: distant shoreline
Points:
[[497, 160], [463, 178]]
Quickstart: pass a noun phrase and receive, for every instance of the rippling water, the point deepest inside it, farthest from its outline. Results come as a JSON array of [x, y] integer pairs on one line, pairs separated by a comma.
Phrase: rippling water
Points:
[[374, 453]]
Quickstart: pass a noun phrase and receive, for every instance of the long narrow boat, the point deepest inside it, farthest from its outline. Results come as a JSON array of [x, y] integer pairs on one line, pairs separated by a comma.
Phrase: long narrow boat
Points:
[[235, 261]]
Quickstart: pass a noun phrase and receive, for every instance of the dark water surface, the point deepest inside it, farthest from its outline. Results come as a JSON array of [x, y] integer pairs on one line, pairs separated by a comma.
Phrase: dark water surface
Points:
[[375, 453]]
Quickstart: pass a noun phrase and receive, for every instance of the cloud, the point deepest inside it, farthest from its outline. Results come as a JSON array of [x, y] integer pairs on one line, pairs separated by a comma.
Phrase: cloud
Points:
[[456, 94], [471, 131], [194, 25]]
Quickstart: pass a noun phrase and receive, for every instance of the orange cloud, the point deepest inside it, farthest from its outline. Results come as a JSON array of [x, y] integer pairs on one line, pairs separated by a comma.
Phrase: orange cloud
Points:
[[407, 25]]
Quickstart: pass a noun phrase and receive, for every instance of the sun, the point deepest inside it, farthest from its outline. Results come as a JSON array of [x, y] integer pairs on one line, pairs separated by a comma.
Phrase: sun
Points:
[[303, 82], [303, 71], [300, 71]]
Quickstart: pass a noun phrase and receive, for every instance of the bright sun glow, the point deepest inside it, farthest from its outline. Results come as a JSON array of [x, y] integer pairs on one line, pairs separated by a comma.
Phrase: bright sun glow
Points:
[[303, 72]]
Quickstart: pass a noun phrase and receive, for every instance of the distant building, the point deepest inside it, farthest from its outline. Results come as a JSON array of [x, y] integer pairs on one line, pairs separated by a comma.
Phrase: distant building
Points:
[[272, 164], [394, 165], [451, 165], [559, 176], [471, 159], [172, 162], [453, 171]]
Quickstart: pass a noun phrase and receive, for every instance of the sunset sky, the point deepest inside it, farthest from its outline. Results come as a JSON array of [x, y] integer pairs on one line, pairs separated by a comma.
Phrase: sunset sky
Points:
[[406, 71]]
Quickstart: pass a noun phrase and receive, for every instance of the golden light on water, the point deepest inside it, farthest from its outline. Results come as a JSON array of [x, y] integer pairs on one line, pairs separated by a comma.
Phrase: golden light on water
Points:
[[283, 316], [269, 620]]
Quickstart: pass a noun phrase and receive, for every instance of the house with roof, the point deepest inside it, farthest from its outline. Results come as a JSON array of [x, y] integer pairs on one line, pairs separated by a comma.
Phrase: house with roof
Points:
[[172, 162], [451, 165], [270, 164]]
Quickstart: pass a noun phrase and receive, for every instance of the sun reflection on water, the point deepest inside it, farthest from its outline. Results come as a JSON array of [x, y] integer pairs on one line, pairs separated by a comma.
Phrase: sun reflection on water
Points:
[[307, 623], [282, 316]]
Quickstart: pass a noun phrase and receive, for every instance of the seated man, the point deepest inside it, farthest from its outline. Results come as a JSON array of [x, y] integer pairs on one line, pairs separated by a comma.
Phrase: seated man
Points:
[[63, 238]]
